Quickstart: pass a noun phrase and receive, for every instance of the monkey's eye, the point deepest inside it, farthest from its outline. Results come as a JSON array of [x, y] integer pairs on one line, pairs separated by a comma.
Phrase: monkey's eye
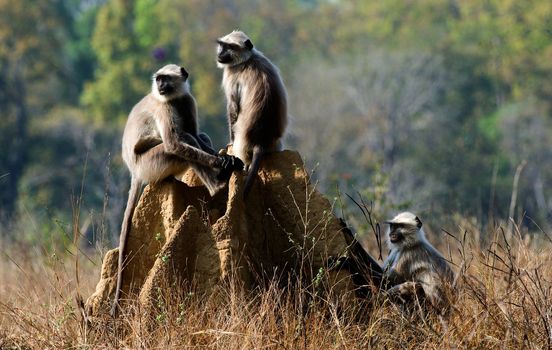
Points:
[[395, 226], [161, 78], [227, 47]]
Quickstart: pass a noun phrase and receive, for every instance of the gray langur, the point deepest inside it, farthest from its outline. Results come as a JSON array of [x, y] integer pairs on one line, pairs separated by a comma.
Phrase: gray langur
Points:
[[161, 139], [413, 269], [256, 101], [413, 266]]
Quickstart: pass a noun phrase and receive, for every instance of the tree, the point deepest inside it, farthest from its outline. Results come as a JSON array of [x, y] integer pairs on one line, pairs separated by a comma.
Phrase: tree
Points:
[[122, 70], [30, 65]]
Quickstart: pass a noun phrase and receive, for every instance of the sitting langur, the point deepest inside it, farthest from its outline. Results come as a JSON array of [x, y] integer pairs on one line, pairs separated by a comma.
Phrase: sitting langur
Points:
[[413, 269], [160, 140], [256, 101]]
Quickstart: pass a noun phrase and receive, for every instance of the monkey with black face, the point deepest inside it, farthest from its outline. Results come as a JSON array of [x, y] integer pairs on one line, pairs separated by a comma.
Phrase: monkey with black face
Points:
[[256, 101], [414, 267], [413, 270], [161, 139]]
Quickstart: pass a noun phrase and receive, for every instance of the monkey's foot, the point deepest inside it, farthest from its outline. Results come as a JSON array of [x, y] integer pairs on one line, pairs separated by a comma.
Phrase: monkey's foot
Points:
[[226, 149], [229, 164]]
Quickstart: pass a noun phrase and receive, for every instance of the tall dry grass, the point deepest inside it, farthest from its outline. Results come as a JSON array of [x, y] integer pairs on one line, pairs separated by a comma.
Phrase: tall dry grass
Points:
[[504, 301]]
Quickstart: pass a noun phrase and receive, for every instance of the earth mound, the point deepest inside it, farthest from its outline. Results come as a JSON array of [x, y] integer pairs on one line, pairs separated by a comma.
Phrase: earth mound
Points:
[[180, 234]]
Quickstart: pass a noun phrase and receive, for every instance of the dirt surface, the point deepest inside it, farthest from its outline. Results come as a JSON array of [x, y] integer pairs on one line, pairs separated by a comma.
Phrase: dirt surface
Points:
[[180, 234]]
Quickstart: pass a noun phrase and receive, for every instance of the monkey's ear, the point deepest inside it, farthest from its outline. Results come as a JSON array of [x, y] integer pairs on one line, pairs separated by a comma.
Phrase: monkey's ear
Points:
[[418, 222], [184, 73], [248, 44]]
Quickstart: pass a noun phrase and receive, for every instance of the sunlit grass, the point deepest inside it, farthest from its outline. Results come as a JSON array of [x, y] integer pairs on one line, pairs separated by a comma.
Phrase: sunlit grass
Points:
[[504, 301]]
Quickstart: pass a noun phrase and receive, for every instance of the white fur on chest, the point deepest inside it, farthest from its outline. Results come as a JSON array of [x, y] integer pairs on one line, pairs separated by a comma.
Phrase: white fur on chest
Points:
[[240, 147]]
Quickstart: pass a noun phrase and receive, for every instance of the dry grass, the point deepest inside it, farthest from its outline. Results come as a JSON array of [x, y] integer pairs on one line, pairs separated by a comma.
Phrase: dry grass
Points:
[[504, 301]]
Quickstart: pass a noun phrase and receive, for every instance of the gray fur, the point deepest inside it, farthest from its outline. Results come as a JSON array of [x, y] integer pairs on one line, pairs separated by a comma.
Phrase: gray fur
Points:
[[413, 264], [161, 139], [256, 101]]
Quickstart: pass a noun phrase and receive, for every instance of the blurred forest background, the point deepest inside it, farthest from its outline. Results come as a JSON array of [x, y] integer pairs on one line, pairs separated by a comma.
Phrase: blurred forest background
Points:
[[427, 105]]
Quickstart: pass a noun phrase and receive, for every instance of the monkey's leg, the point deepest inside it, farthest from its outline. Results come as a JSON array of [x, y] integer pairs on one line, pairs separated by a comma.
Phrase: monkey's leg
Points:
[[187, 147], [146, 144], [156, 164], [210, 177], [434, 289]]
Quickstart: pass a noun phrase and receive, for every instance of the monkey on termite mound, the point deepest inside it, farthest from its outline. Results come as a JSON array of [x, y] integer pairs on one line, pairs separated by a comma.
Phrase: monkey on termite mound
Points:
[[256, 101], [161, 139]]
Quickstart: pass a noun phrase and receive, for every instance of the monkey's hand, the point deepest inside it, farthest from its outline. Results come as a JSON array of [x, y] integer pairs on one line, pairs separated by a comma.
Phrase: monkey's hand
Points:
[[405, 292], [228, 165]]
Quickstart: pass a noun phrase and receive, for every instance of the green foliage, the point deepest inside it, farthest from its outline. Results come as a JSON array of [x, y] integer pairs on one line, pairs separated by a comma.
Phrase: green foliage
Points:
[[121, 75], [30, 65], [432, 103], [146, 22]]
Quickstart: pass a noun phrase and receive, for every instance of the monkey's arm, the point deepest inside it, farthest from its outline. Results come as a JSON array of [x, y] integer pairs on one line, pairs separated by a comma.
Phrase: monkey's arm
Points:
[[177, 144], [405, 292]]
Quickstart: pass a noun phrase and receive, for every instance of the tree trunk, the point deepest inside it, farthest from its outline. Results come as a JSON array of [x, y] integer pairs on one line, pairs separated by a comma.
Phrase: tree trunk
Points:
[[17, 150]]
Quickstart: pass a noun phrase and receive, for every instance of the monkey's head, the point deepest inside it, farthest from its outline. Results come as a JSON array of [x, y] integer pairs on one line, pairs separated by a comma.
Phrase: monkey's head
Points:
[[233, 49], [405, 230], [169, 82]]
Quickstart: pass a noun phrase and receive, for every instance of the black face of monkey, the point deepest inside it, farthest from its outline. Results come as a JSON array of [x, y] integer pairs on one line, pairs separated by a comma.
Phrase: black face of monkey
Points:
[[224, 52], [397, 232], [405, 229], [169, 79], [231, 53], [165, 84]]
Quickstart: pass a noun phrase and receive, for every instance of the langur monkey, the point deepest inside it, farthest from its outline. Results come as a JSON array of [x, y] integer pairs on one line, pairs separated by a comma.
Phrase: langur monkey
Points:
[[161, 139], [413, 267], [256, 101]]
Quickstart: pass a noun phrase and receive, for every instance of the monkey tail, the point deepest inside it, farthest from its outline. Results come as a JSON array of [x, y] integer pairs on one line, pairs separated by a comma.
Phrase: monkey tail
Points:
[[133, 195], [258, 153], [361, 262]]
